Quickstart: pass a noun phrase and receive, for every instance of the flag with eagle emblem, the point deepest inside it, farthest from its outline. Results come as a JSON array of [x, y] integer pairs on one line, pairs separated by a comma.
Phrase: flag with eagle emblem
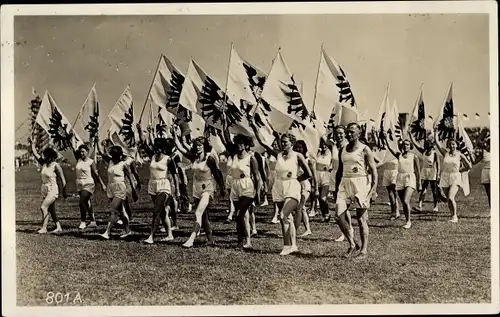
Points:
[[87, 119], [62, 135], [280, 99], [203, 96], [465, 146], [419, 128], [445, 122], [381, 125], [166, 86], [121, 123]]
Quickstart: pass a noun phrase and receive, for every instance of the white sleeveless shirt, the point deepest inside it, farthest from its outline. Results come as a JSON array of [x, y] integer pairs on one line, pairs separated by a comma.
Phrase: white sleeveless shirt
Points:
[[287, 168], [354, 162]]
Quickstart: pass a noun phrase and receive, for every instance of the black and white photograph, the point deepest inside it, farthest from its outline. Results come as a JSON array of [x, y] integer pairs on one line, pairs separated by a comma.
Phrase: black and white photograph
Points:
[[245, 159]]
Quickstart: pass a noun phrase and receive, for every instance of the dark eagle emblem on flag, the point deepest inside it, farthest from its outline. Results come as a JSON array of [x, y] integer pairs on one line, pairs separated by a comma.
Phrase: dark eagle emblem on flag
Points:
[[161, 126], [256, 81], [380, 136], [127, 129], [214, 106], [93, 125], [59, 131], [345, 92], [265, 107], [174, 89], [295, 102], [331, 122], [184, 114], [417, 127], [446, 128], [209, 131]]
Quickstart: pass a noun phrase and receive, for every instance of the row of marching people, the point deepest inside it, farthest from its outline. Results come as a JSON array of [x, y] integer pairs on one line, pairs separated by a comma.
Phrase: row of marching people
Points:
[[344, 166]]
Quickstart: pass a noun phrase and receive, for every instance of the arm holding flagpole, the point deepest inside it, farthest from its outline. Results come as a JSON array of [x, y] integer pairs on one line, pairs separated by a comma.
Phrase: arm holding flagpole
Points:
[[395, 153], [438, 146], [105, 156], [37, 156], [257, 136], [149, 151], [419, 148], [178, 144]]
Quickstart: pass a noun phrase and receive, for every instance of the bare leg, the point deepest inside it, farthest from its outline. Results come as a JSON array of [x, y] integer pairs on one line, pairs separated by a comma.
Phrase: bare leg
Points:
[[200, 210], [288, 227]]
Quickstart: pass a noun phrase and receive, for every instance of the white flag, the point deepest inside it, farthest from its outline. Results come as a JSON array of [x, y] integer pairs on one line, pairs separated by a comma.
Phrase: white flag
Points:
[[87, 121], [53, 121], [445, 122], [419, 127]]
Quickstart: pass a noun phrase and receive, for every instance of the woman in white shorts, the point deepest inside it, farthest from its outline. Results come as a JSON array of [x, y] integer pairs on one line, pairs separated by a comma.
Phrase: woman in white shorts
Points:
[[245, 187], [306, 186], [130, 161], [485, 157], [86, 172], [408, 178], [286, 190], [354, 187], [225, 162], [159, 186], [323, 177], [451, 173], [51, 170], [117, 190], [389, 182], [205, 168], [429, 172]]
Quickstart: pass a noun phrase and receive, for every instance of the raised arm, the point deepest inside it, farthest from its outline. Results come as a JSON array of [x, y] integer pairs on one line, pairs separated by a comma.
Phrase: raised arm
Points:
[[149, 151], [105, 156], [37, 156], [419, 148], [178, 144], [216, 172], [59, 172], [438, 146], [95, 175], [395, 153], [269, 149]]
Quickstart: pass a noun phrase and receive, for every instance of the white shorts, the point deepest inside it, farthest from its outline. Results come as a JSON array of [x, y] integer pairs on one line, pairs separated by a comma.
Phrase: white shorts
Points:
[[305, 187], [158, 186], [389, 178], [242, 187], [485, 176], [323, 178], [449, 179], [118, 190], [353, 191], [289, 188], [49, 194], [200, 187], [85, 185], [406, 180], [428, 174]]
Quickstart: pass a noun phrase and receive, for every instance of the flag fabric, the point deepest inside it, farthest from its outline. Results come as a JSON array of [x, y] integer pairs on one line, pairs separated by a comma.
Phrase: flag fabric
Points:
[[419, 127], [87, 119], [122, 130], [379, 127], [465, 146], [333, 90], [52, 120], [202, 95], [445, 121], [166, 86]]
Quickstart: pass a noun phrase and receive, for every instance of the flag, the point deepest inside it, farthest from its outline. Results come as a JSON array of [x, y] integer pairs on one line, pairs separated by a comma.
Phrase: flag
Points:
[[444, 123], [465, 146], [333, 90], [418, 123], [381, 125], [122, 130], [52, 120], [281, 98], [203, 96], [87, 119], [166, 86]]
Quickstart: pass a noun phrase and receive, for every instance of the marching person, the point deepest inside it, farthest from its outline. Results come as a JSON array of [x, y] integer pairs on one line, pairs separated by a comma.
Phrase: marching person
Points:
[[301, 215], [86, 173], [451, 174], [205, 168], [51, 170], [286, 189], [116, 190], [408, 178], [353, 187], [159, 186], [429, 173]]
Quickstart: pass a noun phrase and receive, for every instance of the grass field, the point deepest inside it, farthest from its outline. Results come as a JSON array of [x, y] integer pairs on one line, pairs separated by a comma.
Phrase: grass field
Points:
[[433, 262]]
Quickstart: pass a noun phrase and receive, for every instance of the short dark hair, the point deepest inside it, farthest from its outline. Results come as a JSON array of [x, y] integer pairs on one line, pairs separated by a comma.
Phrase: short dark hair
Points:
[[302, 144], [116, 152], [50, 154], [207, 147], [290, 137]]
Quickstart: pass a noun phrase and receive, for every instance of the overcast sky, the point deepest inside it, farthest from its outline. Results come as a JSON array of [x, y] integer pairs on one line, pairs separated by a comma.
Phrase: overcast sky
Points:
[[68, 54]]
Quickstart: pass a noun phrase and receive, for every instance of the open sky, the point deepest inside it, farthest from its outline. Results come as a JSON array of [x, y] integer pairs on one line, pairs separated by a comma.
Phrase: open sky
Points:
[[68, 54]]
